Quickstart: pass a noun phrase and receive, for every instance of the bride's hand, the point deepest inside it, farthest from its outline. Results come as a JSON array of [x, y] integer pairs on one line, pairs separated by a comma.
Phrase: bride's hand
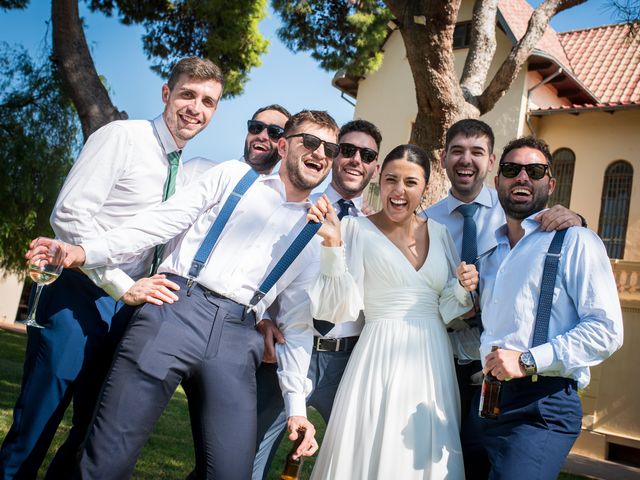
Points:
[[323, 212], [467, 276]]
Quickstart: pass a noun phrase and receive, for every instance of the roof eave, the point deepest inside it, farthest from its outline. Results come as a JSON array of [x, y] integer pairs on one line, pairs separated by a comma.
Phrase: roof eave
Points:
[[586, 109]]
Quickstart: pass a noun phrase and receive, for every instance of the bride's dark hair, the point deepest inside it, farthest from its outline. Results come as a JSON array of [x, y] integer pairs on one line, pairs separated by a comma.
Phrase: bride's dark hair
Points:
[[410, 153]]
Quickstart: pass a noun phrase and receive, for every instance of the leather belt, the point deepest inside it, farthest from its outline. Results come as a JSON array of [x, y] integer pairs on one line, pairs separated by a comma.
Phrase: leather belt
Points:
[[345, 344]]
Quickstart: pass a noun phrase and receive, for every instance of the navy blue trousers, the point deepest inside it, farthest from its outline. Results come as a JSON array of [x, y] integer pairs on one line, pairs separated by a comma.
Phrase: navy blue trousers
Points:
[[538, 424], [204, 341], [325, 372], [65, 361]]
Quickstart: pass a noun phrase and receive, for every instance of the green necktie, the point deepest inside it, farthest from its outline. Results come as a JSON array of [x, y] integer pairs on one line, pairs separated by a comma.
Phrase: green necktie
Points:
[[169, 189]]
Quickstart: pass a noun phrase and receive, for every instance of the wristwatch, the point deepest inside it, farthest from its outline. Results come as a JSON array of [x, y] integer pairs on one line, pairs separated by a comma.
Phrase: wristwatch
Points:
[[528, 363]]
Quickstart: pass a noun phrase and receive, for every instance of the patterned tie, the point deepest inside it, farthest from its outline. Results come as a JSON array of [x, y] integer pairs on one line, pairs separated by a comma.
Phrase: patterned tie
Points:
[[345, 207], [322, 326], [169, 189], [469, 233]]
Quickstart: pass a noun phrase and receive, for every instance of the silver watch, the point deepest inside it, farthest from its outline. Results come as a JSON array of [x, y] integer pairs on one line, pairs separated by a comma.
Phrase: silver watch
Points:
[[528, 363]]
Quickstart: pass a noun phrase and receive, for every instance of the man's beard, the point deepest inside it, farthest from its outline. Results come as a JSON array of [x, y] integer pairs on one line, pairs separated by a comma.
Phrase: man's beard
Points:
[[262, 162], [520, 211]]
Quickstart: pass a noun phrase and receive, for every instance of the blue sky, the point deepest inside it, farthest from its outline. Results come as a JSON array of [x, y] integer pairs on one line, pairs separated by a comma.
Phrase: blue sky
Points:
[[293, 80]]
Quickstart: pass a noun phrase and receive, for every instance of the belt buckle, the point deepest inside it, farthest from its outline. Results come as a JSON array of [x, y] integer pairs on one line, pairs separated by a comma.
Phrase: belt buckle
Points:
[[338, 342], [321, 344]]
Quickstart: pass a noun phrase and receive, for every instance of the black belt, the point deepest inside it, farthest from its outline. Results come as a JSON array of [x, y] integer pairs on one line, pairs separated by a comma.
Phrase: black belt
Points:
[[345, 344]]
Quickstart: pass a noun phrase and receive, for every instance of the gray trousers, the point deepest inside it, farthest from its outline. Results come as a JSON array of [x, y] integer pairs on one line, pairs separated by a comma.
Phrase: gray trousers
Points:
[[204, 341], [325, 372]]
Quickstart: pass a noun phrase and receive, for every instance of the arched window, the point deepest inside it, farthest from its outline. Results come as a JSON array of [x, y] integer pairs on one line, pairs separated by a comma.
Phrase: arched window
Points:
[[614, 208], [564, 161]]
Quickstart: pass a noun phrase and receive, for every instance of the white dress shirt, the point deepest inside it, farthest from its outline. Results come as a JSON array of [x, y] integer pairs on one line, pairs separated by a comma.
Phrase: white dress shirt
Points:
[[259, 231], [488, 218], [586, 320], [121, 171], [195, 168]]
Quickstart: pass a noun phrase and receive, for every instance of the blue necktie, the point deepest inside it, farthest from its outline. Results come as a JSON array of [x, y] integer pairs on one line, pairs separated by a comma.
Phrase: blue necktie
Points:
[[469, 234], [322, 326], [345, 206]]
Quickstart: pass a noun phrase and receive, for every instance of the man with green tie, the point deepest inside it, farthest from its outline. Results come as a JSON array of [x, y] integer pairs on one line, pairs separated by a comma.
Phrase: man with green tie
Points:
[[124, 168]]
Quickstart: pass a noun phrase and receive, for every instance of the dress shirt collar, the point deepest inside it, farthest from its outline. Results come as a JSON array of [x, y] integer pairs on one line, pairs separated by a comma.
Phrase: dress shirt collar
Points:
[[529, 224], [334, 196], [483, 198], [276, 182], [164, 135]]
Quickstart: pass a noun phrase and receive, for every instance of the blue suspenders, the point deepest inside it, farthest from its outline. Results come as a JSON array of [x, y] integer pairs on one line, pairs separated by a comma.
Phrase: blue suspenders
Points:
[[210, 240], [541, 332], [549, 272], [221, 220]]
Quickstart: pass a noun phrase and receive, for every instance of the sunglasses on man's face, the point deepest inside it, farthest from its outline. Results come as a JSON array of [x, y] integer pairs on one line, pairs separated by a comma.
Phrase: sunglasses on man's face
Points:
[[274, 131], [367, 155], [311, 142], [535, 170]]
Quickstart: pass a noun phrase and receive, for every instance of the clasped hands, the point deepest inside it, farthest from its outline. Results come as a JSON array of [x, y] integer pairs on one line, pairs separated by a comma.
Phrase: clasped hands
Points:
[[156, 289]]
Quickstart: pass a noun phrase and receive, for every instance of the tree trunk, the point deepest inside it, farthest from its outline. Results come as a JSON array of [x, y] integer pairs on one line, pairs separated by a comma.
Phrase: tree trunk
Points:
[[427, 32], [77, 70]]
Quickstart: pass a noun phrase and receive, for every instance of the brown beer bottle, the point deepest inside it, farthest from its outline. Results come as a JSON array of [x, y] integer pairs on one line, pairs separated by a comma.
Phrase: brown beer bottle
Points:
[[293, 468], [490, 395]]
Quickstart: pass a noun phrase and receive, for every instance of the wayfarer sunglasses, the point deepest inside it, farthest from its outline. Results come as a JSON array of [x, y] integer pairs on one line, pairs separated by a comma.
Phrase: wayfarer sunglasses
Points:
[[367, 155], [311, 142], [535, 170], [274, 131]]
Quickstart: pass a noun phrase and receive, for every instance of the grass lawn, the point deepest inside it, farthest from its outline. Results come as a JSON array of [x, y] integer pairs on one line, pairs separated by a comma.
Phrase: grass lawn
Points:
[[168, 453]]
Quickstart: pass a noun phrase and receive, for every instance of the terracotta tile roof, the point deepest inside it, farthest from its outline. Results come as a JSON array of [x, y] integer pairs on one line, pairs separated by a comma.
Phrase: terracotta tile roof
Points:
[[607, 60], [517, 13]]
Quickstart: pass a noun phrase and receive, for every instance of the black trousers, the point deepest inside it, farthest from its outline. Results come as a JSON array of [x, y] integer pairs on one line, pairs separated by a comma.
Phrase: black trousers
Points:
[[203, 340]]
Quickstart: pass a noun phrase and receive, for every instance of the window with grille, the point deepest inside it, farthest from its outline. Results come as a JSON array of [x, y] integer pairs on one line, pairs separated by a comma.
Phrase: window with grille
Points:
[[614, 208], [564, 161]]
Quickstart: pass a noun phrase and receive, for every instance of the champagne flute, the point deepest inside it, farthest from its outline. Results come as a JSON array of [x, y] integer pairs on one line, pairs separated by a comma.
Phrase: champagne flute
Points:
[[44, 267]]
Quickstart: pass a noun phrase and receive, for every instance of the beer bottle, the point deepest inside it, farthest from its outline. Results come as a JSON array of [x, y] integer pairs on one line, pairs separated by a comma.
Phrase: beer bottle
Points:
[[490, 395], [293, 468]]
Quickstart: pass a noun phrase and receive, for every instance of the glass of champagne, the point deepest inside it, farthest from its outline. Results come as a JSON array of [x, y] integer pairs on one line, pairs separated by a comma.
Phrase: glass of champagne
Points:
[[44, 267]]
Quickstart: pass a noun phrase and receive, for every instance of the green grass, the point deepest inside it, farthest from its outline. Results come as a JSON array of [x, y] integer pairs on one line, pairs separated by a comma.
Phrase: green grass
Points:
[[169, 452]]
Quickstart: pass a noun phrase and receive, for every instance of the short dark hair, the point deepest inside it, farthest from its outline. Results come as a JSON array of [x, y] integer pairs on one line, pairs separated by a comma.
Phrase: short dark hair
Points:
[[361, 126], [319, 117], [195, 67], [276, 107], [470, 127], [410, 153], [528, 142]]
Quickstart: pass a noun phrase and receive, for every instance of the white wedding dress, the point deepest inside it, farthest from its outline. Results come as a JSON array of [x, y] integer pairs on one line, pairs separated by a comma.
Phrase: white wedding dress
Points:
[[396, 413]]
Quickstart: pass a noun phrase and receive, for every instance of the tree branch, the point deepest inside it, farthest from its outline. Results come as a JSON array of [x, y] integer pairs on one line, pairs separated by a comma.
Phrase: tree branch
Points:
[[481, 49], [77, 70], [510, 68]]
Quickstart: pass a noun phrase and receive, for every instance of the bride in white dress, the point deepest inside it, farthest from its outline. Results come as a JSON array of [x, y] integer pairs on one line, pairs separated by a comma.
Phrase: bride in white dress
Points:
[[396, 413]]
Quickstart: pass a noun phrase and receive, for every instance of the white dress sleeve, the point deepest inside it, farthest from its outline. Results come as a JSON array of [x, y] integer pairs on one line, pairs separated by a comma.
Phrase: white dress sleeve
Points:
[[454, 299], [337, 293]]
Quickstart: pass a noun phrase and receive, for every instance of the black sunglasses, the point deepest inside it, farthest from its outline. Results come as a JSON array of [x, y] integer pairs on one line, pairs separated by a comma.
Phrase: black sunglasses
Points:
[[311, 142], [535, 170], [274, 131], [367, 155]]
